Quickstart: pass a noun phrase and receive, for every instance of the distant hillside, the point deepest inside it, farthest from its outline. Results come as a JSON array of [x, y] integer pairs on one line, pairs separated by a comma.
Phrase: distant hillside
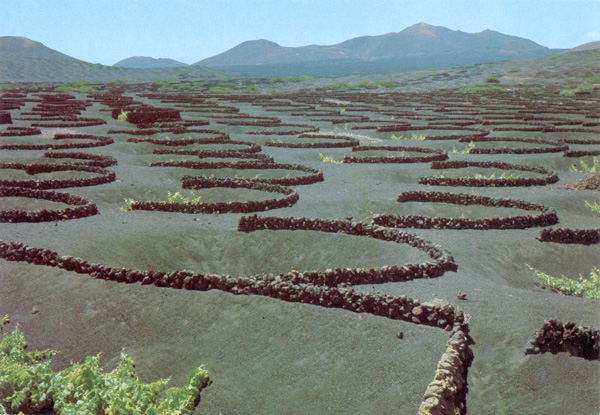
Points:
[[586, 46], [416, 47], [148, 62], [25, 60], [21, 47]]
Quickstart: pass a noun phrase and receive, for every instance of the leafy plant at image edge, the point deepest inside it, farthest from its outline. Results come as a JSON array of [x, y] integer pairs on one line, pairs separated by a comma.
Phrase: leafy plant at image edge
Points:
[[594, 207], [584, 287], [27, 383], [595, 168]]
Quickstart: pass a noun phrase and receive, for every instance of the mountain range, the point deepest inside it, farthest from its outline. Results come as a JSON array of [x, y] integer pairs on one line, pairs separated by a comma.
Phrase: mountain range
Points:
[[417, 47]]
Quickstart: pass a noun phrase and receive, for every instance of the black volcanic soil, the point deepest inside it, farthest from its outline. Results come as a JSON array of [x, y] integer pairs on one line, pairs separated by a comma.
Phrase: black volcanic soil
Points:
[[267, 356]]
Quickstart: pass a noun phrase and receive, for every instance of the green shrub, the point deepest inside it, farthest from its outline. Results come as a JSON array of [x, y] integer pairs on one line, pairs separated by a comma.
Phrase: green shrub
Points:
[[7, 85], [594, 207], [579, 88], [466, 149], [28, 383], [179, 198], [123, 115], [595, 167], [329, 159], [593, 80], [220, 90], [121, 80], [414, 137], [252, 89], [128, 202], [339, 86], [492, 80], [583, 287], [481, 89], [83, 86], [300, 78]]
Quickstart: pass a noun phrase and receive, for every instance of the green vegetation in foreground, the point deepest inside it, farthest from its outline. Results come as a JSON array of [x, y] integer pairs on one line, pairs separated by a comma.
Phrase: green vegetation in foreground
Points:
[[83, 86], [329, 159], [28, 383], [176, 197], [252, 89], [584, 287], [466, 150], [590, 84], [220, 90], [300, 78], [368, 85], [179, 198], [339, 86], [481, 89], [594, 207], [7, 85], [595, 167], [414, 137], [123, 115], [122, 80], [377, 84]]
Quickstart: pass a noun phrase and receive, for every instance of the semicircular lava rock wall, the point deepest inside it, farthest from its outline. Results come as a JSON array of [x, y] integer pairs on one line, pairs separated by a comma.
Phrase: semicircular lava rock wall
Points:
[[570, 236], [290, 197], [82, 208], [556, 337], [548, 178], [547, 217]]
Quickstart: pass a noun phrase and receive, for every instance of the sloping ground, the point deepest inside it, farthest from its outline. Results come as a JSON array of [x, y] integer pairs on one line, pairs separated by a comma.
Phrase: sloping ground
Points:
[[267, 353]]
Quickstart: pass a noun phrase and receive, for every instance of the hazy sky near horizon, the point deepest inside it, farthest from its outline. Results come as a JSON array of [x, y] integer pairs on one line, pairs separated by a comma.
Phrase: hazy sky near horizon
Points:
[[106, 31]]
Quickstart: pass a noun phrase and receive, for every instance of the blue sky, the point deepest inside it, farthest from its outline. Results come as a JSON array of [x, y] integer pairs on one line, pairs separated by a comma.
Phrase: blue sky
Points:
[[106, 31]]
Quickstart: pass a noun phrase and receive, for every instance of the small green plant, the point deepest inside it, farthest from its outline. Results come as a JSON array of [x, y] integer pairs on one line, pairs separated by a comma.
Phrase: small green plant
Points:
[[28, 383], [252, 89], [123, 115], [594, 168], [329, 159], [128, 203], [466, 150], [594, 207], [177, 197], [7, 85], [414, 137], [583, 287]]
